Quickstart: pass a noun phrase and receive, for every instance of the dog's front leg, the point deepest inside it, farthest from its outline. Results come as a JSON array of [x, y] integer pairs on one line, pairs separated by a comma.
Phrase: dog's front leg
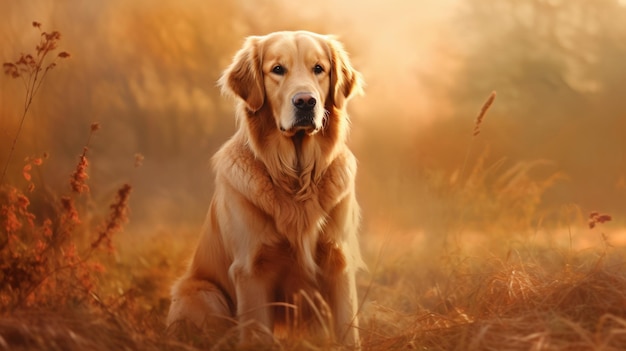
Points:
[[253, 310], [345, 303]]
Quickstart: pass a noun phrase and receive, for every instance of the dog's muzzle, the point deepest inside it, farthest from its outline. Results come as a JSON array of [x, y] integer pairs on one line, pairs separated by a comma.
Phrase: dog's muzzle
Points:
[[304, 104]]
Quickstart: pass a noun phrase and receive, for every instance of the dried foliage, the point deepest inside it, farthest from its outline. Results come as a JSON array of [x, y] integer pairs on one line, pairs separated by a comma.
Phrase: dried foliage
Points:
[[116, 218], [32, 69], [42, 262]]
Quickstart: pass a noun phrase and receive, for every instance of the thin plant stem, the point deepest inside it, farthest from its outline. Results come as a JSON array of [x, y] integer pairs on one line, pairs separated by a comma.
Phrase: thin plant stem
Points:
[[479, 120], [13, 143], [32, 78], [475, 133], [31, 91]]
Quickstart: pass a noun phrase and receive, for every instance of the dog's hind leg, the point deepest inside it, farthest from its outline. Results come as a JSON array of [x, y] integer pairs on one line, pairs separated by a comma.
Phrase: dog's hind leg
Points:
[[200, 302]]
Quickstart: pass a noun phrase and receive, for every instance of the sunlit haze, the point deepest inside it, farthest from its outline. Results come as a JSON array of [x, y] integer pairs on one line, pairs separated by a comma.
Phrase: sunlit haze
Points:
[[146, 71]]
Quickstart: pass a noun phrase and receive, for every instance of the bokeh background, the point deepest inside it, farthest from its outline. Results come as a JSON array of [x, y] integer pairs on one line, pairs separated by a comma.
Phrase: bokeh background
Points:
[[552, 148]]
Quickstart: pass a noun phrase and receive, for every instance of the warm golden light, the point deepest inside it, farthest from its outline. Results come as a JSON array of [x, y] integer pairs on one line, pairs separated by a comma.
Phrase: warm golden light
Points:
[[435, 185]]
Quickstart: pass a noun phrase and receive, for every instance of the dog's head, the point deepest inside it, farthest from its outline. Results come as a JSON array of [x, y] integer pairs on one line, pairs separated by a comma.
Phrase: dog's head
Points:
[[299, 76]]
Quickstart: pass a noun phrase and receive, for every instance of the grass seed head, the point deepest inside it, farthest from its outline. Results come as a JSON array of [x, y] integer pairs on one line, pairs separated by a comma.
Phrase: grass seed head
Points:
[[483, 111]]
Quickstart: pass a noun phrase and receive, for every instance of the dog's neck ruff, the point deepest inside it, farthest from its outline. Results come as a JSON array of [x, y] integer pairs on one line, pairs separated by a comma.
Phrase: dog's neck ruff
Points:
[[300, 165]]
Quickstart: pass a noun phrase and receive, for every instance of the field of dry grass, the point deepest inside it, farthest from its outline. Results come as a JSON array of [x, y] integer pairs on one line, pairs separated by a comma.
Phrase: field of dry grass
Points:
[[497, 295], [488, 275]]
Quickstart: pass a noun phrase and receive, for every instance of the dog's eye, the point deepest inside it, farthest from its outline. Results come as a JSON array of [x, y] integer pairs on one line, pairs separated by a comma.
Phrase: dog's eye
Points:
[[318, 69], [278, 69]]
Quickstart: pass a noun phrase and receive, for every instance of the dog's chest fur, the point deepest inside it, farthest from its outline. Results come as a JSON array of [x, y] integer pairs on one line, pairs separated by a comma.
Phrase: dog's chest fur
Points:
[[301, 225]]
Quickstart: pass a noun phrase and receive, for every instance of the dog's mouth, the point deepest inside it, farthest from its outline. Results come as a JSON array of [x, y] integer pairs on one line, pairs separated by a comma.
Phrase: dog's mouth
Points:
[[300, 130], [304, 120], [304, 124]]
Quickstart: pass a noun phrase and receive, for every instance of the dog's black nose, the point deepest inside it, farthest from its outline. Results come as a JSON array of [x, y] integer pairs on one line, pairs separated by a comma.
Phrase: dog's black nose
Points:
[[303, 101]]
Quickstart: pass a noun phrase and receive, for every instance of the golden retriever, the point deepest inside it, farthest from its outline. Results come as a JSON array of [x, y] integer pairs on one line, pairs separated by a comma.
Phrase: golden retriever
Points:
[[282, 224]]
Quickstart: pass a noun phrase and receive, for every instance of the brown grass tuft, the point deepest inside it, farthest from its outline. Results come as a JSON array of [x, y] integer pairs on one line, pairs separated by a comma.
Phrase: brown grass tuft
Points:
[[520, 304]]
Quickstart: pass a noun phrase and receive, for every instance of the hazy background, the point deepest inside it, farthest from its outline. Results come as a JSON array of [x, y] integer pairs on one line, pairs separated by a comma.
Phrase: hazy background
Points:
[[554, 140]]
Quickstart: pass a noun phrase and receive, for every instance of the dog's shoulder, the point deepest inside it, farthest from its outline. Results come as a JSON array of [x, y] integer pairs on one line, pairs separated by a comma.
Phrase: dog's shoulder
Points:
[[236, 167], [346, 160], [235, 160], [342, 170]]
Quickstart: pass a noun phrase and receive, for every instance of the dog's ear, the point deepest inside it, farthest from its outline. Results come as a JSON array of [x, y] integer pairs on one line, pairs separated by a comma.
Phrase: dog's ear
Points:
[[244, 77], [345, 81]]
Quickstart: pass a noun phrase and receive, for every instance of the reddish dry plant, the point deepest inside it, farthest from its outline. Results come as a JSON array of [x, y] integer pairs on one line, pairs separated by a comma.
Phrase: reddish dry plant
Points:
[[79, 177], [39, 261], [42, 260], [32, 69], [117, 217], [69, 215], [596, 218], [43, 264], [28, 66], [28, 167], [22, 259], [14, 215], [78, 181]]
